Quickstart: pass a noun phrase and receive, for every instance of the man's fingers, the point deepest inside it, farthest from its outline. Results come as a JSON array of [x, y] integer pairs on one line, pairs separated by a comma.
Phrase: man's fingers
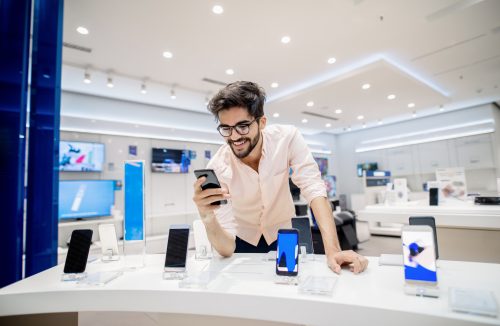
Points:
[[198, 183], [335, 267]]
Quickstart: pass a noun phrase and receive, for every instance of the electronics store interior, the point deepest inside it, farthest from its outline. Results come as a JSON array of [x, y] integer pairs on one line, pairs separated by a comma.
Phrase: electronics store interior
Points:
[[251, 162]]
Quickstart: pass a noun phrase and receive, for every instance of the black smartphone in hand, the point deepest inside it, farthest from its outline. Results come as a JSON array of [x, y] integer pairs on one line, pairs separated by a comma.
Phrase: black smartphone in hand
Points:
[[210, 183]]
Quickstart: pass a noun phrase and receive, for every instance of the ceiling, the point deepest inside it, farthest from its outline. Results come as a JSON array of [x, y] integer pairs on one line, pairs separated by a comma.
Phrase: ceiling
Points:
[[440, 55]]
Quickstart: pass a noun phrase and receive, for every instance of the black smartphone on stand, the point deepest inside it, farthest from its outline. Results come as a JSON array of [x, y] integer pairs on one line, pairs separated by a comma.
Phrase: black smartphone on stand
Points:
[[433, 196], [287, 252], [78, 251], [177, 248], [430, 221], [210, 183]]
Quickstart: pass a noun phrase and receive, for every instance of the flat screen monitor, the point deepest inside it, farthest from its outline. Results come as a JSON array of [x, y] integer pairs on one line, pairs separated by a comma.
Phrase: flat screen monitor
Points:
[[331, 185], [322, 165], [85, 198], [168, 160], [80, 156], [366, 167]]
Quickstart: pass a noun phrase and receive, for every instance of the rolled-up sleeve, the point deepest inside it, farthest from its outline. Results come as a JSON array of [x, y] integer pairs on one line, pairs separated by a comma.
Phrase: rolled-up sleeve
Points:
[[306, 174]]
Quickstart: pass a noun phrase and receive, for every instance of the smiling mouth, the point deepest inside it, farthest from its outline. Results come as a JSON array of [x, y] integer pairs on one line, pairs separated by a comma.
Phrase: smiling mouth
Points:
[[239, 142]]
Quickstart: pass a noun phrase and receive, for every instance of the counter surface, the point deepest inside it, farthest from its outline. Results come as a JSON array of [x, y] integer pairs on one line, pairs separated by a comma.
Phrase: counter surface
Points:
[[243, 287]]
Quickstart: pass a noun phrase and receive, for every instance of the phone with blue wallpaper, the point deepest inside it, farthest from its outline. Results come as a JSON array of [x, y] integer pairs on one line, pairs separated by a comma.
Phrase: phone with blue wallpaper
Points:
[[419, 255], [287, 252]]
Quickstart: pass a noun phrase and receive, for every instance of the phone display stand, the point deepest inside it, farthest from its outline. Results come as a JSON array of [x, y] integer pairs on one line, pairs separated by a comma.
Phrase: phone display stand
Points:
[[197, 281], [203, 253], [422, 290], [318, 285], [270, 256], [73, 277], [286, 280], [100, 278], [108, 257], [304, 256], [174, 275]]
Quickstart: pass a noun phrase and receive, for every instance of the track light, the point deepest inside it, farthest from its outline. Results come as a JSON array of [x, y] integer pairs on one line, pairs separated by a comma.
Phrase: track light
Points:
[[110, 82], [86, 77], [143, 88], [172, 94]]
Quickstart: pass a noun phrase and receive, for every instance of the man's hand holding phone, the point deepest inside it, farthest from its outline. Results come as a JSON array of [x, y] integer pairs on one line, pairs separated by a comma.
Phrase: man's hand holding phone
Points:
[[208, 193]]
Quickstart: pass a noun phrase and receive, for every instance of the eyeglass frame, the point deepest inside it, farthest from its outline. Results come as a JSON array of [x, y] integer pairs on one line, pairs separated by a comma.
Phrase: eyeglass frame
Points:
[[239, 124]]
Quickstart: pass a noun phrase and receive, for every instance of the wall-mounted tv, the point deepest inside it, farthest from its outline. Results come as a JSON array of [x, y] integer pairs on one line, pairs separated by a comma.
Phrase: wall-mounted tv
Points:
[[80, 156], [322, 165], [331, 185], [366, 167], [85, 198], [169, 160]]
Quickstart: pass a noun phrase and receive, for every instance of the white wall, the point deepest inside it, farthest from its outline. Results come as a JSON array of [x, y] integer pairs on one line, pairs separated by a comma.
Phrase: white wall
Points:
[[478, 179]]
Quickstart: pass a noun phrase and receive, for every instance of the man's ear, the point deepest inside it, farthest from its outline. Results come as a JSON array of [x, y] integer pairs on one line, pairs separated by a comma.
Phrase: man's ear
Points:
[[262, 122]]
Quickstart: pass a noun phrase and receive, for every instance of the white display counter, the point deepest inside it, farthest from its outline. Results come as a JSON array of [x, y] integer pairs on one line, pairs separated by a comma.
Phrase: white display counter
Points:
[[464, 215], [243, 287], [465, 231]]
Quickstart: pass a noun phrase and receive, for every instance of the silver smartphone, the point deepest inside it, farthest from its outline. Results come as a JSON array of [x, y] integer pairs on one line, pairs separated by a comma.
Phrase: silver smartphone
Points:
[[177, 247], [419, 255], [109, 242]]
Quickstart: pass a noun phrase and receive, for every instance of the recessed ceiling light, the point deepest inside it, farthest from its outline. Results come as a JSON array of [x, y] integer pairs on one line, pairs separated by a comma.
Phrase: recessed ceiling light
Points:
[[217, 9], [366, 86], [167, 54], [285, 39], [338, 111], [229, 72], [82, 30], [360, 117], [310, 103], [331, 60], [276, 115], [304, 120], [328, 125], [274, 85], [391, 97], [411, 105]]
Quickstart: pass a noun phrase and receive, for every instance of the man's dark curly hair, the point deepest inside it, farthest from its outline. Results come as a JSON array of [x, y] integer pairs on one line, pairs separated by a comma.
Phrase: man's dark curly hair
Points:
[[239, 94]]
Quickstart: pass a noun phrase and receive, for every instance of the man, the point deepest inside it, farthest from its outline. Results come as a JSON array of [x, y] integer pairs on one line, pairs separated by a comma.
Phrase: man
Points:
[[253, 168]]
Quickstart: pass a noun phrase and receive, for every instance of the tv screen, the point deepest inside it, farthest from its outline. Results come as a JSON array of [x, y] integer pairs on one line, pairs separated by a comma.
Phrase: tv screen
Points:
[[80, 156], [168, 160], [85, 198], [331, 185], [366, 167], [322, 165]]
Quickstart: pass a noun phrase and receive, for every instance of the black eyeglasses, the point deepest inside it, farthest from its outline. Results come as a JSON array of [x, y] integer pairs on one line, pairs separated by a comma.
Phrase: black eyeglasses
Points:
[[241, 128]]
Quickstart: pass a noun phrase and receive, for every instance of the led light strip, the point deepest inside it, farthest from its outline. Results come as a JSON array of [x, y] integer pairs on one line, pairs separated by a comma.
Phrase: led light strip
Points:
[[424, 140]]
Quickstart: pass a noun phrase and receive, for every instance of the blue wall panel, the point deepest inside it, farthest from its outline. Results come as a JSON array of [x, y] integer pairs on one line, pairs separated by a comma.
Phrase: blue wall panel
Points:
[[14, 54], [43, 175]]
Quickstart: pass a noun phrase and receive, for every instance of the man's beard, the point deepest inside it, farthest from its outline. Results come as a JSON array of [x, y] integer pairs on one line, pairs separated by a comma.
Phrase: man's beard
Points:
[[253, 143]]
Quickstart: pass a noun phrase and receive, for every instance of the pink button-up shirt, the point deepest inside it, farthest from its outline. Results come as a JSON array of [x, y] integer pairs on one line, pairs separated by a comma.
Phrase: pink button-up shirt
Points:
[[261, 202]]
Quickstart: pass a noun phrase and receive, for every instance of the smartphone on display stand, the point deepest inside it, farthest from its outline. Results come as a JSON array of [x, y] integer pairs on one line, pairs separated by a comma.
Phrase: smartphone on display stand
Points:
[[305, 236], [109, 243], [433, 196], [78, 251], [427, 220], [419, 260], [210, 183], [177, 247], [287, 252]]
